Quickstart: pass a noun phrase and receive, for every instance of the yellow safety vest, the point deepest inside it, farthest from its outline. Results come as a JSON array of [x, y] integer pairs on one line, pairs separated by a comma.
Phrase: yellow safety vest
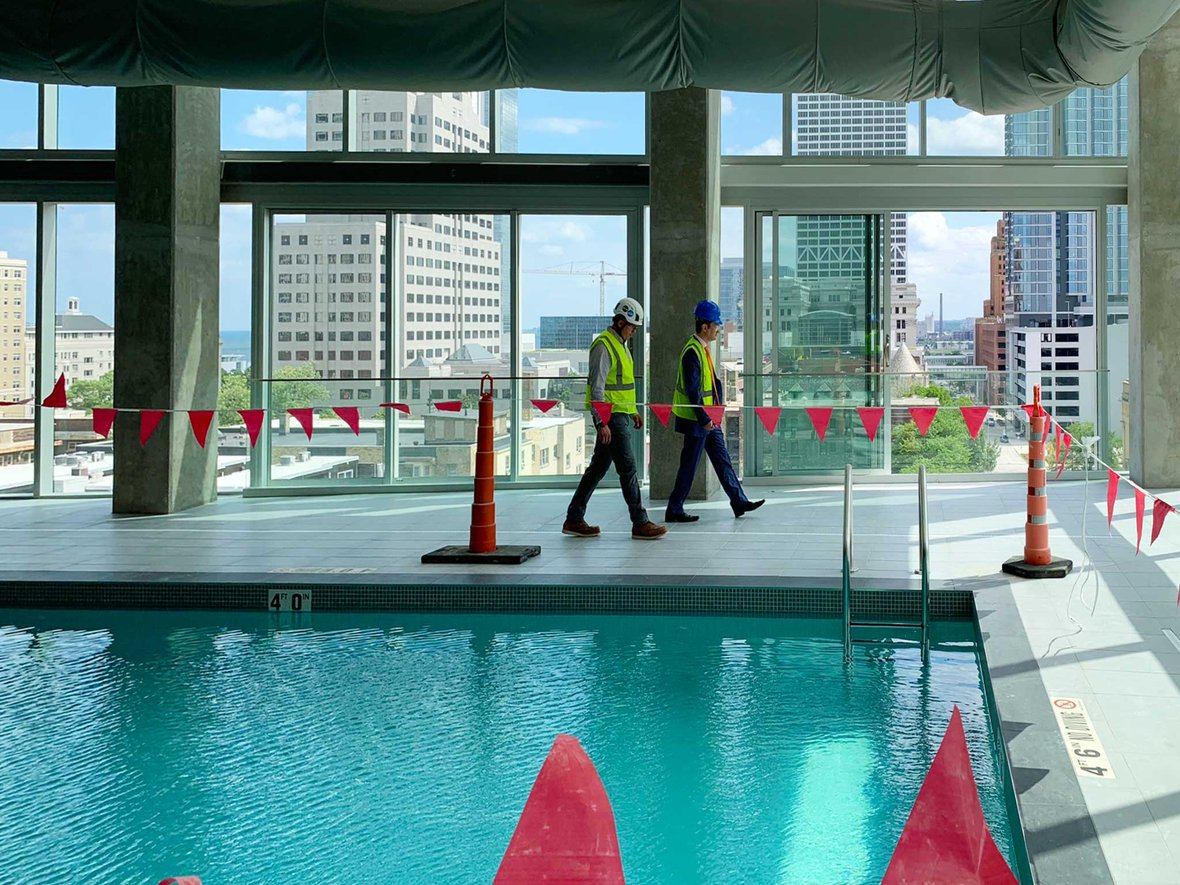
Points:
[[620, 380], [682, 403]]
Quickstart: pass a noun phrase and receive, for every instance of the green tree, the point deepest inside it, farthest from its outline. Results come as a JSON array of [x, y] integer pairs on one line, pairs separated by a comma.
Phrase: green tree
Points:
[[1076, 459], [234, 395], [947, 447], [299, 388], [96, 394]]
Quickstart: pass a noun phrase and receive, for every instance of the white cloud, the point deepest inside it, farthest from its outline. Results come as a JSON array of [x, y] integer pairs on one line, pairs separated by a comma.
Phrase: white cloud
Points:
[[948, 256], [276, 124], [769, 148], [563, 125], [546, 231], [726, 104], [970, 134], [550, 249]]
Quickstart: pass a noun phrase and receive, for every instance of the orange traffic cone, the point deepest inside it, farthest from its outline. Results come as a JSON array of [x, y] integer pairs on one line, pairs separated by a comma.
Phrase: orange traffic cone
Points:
[[1038, 561], [482, 542]]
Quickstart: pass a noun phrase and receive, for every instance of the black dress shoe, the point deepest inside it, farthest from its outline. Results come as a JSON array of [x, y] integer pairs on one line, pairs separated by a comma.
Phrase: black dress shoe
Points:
[[680, 517], [746, 506]]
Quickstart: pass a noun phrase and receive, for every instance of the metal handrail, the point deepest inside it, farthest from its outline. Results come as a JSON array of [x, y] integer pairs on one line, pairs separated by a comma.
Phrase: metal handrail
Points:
[[847, 564], [924, 561]]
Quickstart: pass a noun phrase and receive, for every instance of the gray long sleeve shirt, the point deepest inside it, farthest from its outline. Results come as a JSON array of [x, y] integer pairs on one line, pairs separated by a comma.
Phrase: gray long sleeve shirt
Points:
[[600, 369]]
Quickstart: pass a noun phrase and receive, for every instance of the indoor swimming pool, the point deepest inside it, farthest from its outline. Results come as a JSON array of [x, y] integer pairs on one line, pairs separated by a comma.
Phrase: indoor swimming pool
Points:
[[401, 748]]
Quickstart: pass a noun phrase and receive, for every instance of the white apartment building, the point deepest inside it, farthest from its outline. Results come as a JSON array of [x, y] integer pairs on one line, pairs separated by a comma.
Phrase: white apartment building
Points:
[[903, 326], [402, 122], [84, 348], [14, 353]]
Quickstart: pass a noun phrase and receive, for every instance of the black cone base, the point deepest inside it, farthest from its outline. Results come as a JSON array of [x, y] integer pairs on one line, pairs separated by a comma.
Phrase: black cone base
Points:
[[1057, 568], [502, 555]]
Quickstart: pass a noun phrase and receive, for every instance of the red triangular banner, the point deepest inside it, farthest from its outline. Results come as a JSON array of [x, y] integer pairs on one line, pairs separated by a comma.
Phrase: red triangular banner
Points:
[[351, 416], [1067, 439], [1049, 422], [923, 416], [662, 411], [57, 397], [1028, 410], [1159, 512], [544, 404], [448, 405], [1112, 492], [1140, 502], [566, 832], [603, 410], [102, 420], [870, 417], [401, 407], [253, 419], [13, 402], [304, 417], [1057, 443], [820, 418], [716, 414], [974, 416], [200, 421], [946, 838], [148, 420], [769, 416]]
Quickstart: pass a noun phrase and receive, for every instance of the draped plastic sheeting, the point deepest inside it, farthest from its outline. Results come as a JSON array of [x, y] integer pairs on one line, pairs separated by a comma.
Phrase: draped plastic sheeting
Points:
[[994, 56]]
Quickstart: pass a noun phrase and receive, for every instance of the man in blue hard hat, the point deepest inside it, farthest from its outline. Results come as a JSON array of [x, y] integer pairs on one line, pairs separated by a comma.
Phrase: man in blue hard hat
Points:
[[697, 385]]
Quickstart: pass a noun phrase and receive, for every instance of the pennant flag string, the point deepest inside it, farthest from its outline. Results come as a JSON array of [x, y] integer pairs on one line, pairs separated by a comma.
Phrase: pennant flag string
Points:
[[819, 420], [200, 421]]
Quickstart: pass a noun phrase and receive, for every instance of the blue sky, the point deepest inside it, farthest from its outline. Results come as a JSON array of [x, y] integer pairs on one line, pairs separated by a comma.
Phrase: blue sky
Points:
[[948, 250]]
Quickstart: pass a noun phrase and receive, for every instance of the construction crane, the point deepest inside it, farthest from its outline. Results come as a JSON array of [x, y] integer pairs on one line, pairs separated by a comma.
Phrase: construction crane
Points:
[[587, 269]]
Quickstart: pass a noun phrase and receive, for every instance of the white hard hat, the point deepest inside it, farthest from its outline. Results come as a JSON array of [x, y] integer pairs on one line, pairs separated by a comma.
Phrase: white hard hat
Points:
[[630, 310]]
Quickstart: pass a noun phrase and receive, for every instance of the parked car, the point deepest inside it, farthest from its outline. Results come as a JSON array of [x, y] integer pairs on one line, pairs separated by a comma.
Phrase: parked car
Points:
[[1004, 438]]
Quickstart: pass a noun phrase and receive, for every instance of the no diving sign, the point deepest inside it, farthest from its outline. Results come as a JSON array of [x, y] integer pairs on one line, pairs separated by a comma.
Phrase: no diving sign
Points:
[[1081, 741]]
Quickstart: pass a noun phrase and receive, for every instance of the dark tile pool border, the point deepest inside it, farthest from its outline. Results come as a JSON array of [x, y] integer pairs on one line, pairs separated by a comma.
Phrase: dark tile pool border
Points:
[[739, 596]]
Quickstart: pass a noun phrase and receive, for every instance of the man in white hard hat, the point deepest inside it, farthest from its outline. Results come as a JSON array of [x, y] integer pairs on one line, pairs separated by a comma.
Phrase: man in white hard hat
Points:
[[612, 380]]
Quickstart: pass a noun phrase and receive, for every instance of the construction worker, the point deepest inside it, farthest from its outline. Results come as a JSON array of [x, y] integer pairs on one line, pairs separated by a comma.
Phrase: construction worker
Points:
[[612, 380], [697, 385]]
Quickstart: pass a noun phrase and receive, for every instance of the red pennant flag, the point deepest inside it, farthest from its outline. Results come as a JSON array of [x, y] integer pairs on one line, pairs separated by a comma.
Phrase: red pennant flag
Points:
[[102, 420], [603, 410], [1049, 422], [566, 832], [13, 402], [769, 416], [1112, 492], [401, 407], [148, 420], [253, 419], [57, 398], [1057, 443], [974, 416], [870, 417], [820, 418], [946, 838], [448, 405], [544, 404], [1028, 410], [200, 421], [923, 416], [1140, 502], [716, 414], [351, 416], [662, 411], [1064, 455], [1159, 511], [304, 417]]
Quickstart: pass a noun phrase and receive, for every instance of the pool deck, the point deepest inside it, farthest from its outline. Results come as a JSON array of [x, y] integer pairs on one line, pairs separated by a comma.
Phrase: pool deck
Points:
[[1105, 635]]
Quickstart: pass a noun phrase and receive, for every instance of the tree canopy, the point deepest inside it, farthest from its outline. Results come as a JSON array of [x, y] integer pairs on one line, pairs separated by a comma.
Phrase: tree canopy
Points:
[[947, 447]]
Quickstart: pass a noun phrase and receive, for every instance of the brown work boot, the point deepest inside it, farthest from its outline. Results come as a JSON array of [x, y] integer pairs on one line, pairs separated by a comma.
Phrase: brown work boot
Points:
[[649, 531], [579, 528]]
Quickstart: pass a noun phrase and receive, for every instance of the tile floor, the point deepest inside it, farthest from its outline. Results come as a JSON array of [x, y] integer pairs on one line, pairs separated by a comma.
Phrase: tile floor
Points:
[[1100, 635]]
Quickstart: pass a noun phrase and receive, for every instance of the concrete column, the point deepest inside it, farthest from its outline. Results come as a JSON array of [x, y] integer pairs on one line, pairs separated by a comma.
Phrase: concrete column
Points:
[[685, 246], [166, 292], [1154, 229]]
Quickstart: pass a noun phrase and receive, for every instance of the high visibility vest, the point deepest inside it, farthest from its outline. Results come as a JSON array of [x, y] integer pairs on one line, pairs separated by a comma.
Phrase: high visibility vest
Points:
[[683, 405], [620, 380]]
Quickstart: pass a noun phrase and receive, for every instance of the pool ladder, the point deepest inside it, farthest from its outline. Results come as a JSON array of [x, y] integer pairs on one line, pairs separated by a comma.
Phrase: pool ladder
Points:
[[923, 564]]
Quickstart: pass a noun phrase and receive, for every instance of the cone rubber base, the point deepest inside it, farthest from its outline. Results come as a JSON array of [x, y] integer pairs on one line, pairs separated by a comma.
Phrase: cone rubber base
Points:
[[1057, 568], [502, 555]]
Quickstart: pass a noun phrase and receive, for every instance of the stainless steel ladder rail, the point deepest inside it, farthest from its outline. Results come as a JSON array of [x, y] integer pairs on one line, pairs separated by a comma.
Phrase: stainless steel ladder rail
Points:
[[846, 583], [924, 561]]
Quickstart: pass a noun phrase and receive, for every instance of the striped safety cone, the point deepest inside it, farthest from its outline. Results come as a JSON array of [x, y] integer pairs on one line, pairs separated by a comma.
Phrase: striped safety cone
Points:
[[1038, 561]]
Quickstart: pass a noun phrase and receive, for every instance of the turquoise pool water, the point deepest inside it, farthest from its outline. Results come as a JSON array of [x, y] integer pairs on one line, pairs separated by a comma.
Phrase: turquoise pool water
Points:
[[400, 749]]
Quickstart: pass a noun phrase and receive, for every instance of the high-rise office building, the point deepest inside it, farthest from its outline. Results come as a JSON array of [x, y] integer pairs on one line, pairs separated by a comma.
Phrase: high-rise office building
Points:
[[991, 339], [570, 332], [731, 289], [14, 274], [1049, 269]]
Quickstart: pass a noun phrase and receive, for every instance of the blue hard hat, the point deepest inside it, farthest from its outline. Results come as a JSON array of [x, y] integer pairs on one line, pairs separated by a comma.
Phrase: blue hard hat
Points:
[[708, 311]]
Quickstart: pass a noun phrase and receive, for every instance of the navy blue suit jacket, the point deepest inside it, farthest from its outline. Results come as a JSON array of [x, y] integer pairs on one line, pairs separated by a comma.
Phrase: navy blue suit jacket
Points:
[[692, 370]]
